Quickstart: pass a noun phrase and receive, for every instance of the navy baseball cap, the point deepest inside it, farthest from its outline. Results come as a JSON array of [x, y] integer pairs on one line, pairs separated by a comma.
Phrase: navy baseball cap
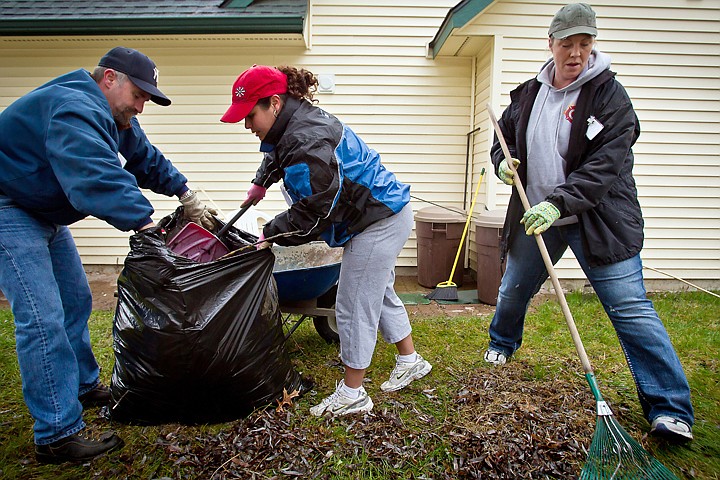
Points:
[[139, 68]]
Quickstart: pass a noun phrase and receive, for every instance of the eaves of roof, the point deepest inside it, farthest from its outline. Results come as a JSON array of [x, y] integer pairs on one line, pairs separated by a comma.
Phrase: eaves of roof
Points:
[[81, 17], [457, 17], [160, 26]]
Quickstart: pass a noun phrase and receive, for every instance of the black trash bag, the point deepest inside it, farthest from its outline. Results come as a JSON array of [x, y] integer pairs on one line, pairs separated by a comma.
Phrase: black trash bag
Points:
[[196, 342]]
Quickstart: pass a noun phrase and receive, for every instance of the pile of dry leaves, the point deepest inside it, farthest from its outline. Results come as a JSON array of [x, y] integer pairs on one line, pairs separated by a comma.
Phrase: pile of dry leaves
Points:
[[501, 424], [513, 426]]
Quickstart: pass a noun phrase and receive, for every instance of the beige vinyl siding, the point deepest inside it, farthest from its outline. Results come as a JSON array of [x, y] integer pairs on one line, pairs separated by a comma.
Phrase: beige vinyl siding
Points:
[[481, 142], [667, 55], [414, 111]]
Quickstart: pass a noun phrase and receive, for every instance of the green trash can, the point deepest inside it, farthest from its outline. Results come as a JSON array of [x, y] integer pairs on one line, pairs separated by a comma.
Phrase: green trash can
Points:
[[488, 235], [438, 232]]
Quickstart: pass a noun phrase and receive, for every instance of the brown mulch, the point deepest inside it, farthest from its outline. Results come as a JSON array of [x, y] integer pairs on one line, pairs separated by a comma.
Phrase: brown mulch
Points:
[[501, 424]]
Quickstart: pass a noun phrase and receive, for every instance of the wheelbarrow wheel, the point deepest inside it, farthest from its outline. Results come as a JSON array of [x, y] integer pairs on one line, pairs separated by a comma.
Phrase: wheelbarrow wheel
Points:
[[327, 326]]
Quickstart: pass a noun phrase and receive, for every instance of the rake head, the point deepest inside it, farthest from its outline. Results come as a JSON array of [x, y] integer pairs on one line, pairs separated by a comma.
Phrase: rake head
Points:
[[614, 454]]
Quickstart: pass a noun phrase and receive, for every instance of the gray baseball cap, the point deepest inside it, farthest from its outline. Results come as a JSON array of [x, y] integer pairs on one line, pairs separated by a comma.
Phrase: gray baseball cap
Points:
[[573, 19]]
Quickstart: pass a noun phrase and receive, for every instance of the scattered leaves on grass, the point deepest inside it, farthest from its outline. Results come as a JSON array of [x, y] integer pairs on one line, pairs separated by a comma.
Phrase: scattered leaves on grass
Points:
[[504, 423]]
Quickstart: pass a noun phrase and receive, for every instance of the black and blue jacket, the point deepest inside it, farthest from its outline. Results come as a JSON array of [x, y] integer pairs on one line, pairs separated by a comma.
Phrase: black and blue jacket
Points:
[[337, 184], [59, 148]]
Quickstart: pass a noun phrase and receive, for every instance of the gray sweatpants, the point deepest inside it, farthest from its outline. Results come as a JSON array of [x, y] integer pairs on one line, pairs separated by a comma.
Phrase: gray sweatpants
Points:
[[366, 298]]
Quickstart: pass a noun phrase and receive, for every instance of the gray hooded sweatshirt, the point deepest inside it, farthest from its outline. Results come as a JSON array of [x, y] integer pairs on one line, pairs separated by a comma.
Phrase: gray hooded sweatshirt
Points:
[[549, 126]]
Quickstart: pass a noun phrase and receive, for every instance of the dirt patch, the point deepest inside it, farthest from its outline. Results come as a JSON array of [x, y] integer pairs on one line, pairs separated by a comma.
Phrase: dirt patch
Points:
[[437, 310], [103, 287]]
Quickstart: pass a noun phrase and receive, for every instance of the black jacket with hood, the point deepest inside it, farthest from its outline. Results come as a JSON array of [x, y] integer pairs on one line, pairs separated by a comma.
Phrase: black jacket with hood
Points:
[[599, 187]]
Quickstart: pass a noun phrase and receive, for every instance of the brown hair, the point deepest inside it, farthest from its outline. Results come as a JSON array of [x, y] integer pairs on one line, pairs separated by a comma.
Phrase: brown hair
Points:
[[301, 83]]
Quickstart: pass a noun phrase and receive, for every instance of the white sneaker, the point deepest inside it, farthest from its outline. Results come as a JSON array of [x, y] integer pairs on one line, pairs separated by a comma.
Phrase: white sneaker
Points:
[[671, 429], [339, 404], [495, 357], [404, 373]]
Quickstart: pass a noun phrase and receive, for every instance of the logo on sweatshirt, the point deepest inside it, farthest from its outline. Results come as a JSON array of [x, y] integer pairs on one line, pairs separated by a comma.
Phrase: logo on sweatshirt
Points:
[[569, 112]]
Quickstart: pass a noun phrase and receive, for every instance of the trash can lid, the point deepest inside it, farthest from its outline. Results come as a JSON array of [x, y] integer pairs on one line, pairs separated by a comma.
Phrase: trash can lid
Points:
[[439, 215], [491, 218]]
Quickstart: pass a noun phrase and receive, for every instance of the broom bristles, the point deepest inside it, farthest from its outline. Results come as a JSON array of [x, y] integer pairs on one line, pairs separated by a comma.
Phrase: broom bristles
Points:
[[614, 454], [444, 291]]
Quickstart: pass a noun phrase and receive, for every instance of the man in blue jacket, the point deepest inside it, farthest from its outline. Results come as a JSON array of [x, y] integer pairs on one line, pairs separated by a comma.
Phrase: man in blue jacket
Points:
[[59, 163]]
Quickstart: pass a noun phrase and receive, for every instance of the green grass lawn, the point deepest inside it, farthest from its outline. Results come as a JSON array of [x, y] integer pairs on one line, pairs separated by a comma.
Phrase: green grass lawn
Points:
[[464, 417]]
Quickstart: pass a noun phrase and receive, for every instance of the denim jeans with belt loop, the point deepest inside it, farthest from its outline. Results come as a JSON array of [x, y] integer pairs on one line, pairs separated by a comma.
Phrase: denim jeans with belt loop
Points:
[[659, 377], [43, 278]]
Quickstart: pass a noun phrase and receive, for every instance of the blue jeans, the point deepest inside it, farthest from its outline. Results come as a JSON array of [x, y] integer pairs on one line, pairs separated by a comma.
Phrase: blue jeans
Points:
[[661, 383], [45, 283]]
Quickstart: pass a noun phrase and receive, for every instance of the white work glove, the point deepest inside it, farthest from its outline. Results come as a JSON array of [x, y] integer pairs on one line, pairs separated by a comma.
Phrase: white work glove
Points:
[[505, 173], [196, 211], [254, 194]]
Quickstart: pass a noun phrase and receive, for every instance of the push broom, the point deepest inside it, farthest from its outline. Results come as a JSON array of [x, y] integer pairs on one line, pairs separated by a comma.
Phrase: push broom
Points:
[[448, 290], [613, 453]]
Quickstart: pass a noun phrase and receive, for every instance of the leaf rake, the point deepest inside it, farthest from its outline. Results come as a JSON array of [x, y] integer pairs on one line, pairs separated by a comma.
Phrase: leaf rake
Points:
[[613, 453]]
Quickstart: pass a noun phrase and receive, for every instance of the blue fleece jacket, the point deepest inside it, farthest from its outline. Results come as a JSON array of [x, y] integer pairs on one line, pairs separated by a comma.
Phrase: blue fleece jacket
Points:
[[59, 157]]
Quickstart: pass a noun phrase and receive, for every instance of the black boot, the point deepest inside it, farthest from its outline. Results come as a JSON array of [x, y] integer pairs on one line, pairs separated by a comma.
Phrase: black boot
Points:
[[97, 397], [78, 447]]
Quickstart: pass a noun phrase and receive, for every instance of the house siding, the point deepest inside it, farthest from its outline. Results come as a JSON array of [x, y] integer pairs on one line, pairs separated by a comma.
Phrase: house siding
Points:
[[413, 110], [416, 112]]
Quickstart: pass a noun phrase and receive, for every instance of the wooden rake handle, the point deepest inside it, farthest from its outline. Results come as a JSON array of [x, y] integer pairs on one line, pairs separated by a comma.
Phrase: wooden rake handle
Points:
[[544, 251]]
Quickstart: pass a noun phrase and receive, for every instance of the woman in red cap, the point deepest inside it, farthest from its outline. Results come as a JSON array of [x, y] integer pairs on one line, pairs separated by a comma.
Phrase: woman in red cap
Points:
[[341, 193]]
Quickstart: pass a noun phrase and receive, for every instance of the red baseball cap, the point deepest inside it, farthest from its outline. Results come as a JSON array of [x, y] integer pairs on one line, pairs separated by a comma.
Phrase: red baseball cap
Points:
[[255, 83]]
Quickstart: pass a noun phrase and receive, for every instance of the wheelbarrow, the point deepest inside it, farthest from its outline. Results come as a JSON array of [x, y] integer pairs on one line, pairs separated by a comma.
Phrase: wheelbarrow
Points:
[[306, 278]]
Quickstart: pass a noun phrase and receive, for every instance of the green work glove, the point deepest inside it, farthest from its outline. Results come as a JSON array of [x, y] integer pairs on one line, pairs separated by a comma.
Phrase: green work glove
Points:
[[539, 218], [504, 171]]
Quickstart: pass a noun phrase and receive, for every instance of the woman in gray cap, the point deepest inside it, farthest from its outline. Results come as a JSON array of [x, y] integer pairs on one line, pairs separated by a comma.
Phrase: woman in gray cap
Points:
[[570, 131]]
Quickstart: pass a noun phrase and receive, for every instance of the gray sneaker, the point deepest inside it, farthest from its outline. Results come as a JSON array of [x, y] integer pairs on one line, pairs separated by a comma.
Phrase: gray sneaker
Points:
[[404, 373], [495, 357], [671, 429], [339, 404]]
